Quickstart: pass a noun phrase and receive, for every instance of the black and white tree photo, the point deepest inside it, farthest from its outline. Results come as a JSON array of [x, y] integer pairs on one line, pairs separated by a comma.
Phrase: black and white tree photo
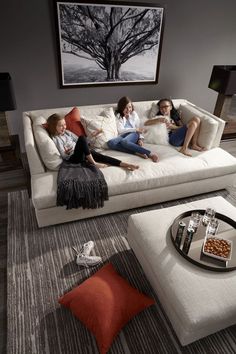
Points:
[[109, 44]]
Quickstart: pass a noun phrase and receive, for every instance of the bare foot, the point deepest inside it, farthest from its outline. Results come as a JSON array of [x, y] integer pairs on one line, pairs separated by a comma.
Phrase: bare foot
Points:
[[144, 156], [185, 152], [197, 147], [132, 167], [100, 165], [154, 157], [129, 166]]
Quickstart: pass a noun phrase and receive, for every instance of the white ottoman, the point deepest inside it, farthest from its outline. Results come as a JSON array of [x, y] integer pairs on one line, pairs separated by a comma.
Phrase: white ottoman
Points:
[[198, 302]]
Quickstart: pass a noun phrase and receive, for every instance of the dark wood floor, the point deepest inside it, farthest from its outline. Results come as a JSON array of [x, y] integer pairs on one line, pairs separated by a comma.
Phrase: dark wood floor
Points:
[[3, 255], [14, 175], [16, 180], [3, 270]]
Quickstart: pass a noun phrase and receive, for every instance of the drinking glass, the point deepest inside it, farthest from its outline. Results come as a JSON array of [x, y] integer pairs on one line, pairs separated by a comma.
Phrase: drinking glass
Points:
[[209, 214], [194, 221], [212, 227]]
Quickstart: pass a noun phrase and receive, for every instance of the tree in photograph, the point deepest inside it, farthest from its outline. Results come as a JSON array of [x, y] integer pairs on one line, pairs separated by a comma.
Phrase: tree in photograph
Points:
[[109, 35]]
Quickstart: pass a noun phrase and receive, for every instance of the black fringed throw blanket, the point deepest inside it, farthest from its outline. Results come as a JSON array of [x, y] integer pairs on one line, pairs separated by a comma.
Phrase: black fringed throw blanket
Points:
[[81, 185]]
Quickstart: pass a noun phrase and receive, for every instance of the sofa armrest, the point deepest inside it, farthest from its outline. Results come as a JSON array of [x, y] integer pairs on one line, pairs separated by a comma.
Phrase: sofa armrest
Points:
[[211, 128], [44, 190], [35, 164]]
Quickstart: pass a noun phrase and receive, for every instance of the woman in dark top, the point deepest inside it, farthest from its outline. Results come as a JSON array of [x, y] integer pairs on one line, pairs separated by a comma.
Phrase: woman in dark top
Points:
[[184, 135]]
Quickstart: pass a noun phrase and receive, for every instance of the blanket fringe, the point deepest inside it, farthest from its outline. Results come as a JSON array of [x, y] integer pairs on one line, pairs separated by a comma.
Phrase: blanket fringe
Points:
[[81, 186]]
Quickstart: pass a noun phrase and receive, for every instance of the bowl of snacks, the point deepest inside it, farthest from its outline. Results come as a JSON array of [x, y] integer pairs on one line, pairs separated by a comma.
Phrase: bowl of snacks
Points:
[[218, 248]]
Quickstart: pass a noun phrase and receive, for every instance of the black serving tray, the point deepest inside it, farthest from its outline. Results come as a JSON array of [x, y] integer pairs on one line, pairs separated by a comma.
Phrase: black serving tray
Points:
[[226, 230]]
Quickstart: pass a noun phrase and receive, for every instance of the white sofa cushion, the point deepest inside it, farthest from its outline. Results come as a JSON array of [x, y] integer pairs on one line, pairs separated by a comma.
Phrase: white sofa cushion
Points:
[[208, 128], [156, 134], [106, 122], [172, 169], [47, 148]]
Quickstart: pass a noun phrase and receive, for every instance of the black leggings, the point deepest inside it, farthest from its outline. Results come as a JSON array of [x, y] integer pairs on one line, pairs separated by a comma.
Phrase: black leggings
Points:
[[82, 150]]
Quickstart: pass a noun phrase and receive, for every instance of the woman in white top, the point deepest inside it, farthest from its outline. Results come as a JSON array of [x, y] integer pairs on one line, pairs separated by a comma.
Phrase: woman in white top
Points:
[[129, 139]]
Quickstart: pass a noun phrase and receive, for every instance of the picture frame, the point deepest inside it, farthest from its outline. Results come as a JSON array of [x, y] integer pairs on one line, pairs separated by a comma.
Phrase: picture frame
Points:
[[107, 43]]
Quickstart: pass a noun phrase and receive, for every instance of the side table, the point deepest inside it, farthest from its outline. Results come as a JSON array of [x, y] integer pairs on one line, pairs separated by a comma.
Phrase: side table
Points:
[[11, 155], [13, 167]]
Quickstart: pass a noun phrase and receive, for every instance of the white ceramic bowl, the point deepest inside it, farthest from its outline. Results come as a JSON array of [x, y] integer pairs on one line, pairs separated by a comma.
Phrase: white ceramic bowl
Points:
[[217, 239]]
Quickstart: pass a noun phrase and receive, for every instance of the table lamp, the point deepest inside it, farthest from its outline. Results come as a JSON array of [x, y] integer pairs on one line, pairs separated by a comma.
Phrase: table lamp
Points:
[[223, 81], [7, 103]]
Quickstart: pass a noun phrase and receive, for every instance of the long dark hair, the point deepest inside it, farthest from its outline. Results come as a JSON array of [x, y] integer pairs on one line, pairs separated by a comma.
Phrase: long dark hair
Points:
[[174, 114], [122, 103]]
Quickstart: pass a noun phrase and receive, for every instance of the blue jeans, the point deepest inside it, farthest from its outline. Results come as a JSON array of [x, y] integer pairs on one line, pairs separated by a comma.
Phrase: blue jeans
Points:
[[176, 137], [127, 143]]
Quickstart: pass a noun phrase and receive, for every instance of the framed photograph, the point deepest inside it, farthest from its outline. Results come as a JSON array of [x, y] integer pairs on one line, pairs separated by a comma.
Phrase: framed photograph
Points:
[[108, 43]]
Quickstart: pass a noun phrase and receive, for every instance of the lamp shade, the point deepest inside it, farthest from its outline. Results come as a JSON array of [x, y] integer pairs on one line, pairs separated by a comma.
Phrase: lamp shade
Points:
[[7, 98], [223, 79]]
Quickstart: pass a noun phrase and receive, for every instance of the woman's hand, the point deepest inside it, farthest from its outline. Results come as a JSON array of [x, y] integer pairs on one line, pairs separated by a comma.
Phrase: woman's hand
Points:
[[163, 120], [171, 126], [140, 130], [67, 151], [96, 132], [140, 142], [156, 120], [68, 148]]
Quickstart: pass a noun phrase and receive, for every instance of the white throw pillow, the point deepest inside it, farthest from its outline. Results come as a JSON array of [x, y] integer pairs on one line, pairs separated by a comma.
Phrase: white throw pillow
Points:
[[208, 128], [106, 122], [47, 149], [156, 134], [153, 111], [187, 112], [208, 131]]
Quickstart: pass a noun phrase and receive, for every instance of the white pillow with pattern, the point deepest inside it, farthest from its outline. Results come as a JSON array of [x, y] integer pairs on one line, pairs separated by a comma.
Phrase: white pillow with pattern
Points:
[[101, 128]]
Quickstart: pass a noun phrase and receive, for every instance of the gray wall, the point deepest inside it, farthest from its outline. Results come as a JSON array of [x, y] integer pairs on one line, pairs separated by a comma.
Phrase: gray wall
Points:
[[197, 35]]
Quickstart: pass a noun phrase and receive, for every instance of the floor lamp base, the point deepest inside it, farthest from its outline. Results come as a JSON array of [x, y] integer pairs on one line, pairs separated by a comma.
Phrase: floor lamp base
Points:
[[222, 106]]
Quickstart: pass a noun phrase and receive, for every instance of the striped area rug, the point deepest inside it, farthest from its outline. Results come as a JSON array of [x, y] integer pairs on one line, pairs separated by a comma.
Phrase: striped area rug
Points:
[[41, 268]]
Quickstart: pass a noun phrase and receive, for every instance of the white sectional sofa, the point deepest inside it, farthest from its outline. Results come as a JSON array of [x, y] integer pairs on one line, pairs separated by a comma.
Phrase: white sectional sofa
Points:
[[174, 176]]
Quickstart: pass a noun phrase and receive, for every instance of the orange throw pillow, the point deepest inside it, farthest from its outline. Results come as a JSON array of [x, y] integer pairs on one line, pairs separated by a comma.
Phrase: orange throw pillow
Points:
[[104, 303], [73, 122]]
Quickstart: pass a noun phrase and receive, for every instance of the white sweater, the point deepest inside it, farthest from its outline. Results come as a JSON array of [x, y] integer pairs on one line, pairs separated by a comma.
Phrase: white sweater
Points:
[[121, 122]]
